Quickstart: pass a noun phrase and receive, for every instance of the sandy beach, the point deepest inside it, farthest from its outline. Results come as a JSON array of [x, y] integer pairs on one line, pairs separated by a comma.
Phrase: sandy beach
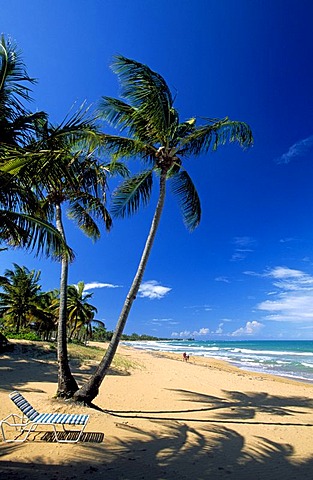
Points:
[[164, 419]]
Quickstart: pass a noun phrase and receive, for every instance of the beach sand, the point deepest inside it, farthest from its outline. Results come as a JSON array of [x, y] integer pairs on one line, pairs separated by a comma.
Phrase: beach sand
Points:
[[165, 419]]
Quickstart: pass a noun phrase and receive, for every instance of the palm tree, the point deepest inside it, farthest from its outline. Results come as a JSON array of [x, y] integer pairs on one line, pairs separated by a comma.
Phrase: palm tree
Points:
[[45, 319], [155, 134], [82, 191], [80, 312], [18, 299]]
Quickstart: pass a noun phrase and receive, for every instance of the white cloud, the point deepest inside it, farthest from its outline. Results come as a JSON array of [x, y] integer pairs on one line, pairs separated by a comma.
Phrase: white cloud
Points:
[[251, 328], [184, 334], [92, 285], [162, 321], [293, 301], [298, 149], [222, 279], [244, 241], [243, 248], [152, 290], [219, 330], [189, 334], [198, 308], [201, 332], [287, 240]]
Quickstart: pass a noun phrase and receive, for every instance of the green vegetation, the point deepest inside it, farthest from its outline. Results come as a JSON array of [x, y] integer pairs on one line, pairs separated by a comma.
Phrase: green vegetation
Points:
[[30, 314], [149, 129], [45, 169]]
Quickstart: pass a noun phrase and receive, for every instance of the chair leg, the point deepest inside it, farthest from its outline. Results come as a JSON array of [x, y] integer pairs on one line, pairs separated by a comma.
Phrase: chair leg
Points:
[[80, 432]]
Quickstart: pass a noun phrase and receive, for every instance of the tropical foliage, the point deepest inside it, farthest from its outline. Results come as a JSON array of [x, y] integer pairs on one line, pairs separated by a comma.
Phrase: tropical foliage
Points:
[[19, 224], [25, 309], [18, 304], [151, 130], [47, 169]]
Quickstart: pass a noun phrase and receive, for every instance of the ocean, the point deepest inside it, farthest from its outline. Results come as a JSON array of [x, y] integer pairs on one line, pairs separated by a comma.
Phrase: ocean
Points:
[[290, 358]]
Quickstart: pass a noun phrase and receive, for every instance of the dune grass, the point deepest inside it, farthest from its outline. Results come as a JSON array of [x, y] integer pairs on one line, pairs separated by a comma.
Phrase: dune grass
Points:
[[78, 354], [93, 354]]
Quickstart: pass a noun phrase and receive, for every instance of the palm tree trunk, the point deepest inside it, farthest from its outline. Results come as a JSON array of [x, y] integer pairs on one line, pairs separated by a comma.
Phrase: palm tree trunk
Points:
[[66, 383], [90, 390]]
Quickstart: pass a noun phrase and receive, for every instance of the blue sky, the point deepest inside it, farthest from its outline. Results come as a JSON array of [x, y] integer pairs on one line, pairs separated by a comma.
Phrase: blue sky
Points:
[[247, 271]]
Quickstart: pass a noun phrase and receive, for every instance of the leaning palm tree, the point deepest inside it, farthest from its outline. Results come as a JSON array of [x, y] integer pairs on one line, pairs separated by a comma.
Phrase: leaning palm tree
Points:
[[155, 134]]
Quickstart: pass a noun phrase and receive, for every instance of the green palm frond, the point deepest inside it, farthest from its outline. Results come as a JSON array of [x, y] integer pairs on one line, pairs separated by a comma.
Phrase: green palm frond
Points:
[[123, 147], [33, 233], [116, 168], [78, 129], [116, 112], [83, 207], [133, 192], [36, 167], [123, 116], [84, 220], [211, 135], [189, 201], [12, 77], [145, 90]]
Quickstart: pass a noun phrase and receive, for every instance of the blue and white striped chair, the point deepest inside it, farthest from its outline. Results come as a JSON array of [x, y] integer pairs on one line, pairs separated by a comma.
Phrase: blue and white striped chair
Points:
[[30, 419]]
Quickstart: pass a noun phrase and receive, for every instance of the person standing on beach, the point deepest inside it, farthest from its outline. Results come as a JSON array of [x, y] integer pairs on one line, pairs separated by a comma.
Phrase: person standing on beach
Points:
[[185, 357]]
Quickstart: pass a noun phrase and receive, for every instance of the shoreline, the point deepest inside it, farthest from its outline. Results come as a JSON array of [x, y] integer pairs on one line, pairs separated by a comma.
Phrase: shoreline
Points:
[[246, 355], [163, 418], [211, 362]]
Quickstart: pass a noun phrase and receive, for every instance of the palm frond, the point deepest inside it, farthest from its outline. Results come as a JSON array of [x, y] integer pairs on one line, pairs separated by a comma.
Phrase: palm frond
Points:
[[123, 147], [212, 135], [184, 189], [33, 233], [116, 168], [116, 112], [133, 192], [12, 77], [84, 208], [145, 90]]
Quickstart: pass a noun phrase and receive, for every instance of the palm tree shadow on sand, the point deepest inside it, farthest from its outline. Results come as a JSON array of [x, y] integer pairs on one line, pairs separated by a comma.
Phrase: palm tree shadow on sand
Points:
[[180, 452], [233, 407]]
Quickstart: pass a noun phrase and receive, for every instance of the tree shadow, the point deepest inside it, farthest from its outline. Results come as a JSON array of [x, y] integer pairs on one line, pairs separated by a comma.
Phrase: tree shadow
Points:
[[245, 405], [37, 362], [233, 407], [177, 452], [25, 364]]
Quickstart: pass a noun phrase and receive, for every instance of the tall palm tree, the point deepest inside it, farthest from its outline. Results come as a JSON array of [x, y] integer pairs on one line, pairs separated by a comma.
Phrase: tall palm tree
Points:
[[155, 134], [19, 296], [81, 190]]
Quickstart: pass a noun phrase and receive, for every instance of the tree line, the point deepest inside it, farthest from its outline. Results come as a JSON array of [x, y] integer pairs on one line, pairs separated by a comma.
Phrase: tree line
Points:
[[28, 312], [46, 169]]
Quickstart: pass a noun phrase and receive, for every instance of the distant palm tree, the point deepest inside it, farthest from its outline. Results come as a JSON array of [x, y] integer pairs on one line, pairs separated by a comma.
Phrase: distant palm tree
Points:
[[18, 300], [80, 311], [45, 320], [155, 134]]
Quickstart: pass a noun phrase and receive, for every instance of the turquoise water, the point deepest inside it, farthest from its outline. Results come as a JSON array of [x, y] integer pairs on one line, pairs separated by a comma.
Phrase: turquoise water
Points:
[[292, 359]]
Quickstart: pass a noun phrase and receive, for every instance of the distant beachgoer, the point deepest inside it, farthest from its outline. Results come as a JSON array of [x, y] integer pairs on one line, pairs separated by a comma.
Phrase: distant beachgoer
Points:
[[185, 357]]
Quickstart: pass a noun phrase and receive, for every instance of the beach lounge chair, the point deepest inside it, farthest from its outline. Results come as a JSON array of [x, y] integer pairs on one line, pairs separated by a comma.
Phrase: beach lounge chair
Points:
[[31, 419]]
